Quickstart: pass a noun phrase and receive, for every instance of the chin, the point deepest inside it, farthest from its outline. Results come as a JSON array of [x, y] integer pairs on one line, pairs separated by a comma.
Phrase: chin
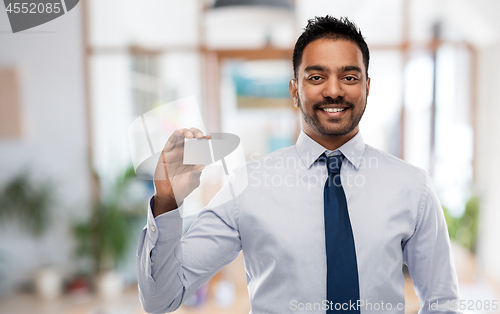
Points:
[[335, 132], [334, 135]]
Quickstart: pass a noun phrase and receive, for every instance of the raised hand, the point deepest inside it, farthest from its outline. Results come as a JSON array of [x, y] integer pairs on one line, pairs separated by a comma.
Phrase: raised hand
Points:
[[173, 180]]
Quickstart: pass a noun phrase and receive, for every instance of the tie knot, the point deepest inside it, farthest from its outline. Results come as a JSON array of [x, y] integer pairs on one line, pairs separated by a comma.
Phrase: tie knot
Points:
[[333, 163]]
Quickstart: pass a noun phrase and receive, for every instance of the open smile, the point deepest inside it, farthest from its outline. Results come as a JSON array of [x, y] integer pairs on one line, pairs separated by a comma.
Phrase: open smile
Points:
[[334, 112]]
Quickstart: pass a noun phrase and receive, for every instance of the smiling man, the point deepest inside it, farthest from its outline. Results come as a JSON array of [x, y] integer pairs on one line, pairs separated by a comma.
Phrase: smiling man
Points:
[[325, 225], [331, 80]]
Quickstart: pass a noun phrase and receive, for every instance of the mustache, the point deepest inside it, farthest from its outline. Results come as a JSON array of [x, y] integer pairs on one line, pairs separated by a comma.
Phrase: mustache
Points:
[[331, 101]]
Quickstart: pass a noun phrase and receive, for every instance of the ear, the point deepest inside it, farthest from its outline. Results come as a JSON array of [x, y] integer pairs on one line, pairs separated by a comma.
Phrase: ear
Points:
[[292, 88], [367, 86]]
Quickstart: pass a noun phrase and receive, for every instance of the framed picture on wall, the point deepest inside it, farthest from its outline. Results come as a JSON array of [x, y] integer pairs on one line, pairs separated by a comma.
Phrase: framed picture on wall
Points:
[[262, 83]]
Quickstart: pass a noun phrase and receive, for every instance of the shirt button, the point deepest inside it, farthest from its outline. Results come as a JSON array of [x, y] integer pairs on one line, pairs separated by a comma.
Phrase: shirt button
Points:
[[152, 263], [153, 228]]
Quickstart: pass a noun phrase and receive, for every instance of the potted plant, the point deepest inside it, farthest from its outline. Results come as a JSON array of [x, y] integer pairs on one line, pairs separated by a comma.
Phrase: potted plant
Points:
[[103, 239], [463, 229], [29, 206]]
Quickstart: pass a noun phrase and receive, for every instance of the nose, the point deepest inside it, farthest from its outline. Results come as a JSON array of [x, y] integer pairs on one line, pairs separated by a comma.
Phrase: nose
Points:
[[333, 89]]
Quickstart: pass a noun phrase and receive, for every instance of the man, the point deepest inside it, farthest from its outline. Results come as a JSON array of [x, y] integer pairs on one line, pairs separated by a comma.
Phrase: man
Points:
[[324, 225]]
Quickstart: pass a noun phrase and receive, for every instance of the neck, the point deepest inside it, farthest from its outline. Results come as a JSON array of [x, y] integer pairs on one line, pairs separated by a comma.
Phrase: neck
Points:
[[332, 143]]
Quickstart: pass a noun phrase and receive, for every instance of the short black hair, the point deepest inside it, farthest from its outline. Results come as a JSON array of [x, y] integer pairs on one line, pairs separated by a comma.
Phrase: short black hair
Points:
[[332, 28]]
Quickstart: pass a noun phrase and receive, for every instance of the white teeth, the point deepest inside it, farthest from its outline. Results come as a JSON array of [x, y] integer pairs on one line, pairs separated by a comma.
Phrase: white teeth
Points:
[[333, 109]]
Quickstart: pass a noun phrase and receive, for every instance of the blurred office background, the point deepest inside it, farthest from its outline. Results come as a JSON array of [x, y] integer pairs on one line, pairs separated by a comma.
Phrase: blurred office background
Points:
[[71, 208]]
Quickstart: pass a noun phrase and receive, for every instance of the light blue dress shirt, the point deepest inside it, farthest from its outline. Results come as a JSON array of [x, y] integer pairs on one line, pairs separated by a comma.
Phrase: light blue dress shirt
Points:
[[276, 218]]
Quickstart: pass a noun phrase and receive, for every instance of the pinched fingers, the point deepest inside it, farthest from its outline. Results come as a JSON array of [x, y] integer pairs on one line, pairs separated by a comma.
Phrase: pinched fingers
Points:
[[171, 158], [196, 133], [176, 140]]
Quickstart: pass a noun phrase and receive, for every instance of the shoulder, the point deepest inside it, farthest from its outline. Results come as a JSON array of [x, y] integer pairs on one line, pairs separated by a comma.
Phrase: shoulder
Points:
[[393, 167], [245, 179], [281, 156]]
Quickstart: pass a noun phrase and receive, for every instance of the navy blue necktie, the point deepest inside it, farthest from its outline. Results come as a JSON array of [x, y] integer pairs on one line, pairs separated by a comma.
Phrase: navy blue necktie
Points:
[[342, 269]]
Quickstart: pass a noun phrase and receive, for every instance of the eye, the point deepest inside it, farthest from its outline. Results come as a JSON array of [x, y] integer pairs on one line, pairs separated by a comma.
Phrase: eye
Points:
[[350, 79], [315, 78]]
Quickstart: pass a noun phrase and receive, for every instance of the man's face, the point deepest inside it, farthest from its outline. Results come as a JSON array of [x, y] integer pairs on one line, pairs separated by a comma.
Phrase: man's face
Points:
[[331, 89]]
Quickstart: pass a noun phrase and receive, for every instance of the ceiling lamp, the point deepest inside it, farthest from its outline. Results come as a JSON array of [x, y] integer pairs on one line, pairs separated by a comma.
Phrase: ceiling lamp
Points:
[[284, 4]]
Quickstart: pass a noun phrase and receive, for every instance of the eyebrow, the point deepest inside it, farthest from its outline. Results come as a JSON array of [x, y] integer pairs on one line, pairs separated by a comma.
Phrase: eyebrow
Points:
[[347, 68], [316, 67]]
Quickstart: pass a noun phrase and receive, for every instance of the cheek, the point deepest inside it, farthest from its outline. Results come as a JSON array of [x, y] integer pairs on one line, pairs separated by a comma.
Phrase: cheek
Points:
[[308, 94], [360, 99], [358, 96]]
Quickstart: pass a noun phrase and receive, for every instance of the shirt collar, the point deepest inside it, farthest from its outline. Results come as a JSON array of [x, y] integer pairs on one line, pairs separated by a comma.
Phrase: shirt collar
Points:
[[309, 150]]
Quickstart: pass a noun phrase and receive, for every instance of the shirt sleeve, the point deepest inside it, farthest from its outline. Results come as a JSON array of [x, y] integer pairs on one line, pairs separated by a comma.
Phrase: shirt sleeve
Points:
[[171, 267], [427, 253]]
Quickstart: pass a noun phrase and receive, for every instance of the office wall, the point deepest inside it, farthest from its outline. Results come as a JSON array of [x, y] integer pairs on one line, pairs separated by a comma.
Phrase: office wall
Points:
[[488, 159], [49, 60]]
